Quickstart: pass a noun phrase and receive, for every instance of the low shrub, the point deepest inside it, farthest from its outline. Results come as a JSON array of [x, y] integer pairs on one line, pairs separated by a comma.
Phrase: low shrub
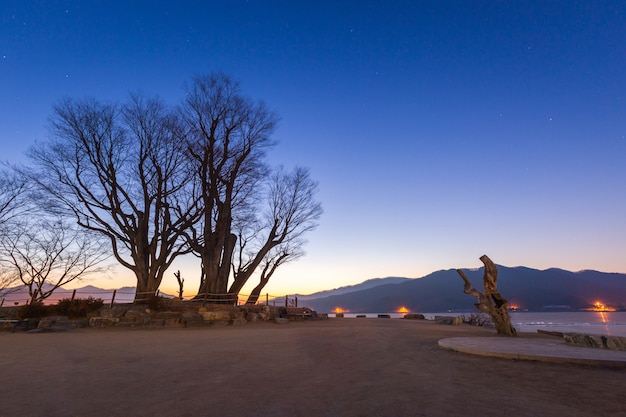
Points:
[[33, 310], [79, 307], [156, 303], [477, 319]]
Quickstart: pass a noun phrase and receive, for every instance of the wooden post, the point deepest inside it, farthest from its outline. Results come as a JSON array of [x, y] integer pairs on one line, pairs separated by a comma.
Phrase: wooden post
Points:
[[113, 298], [286, 301], [267, 299], [296, 302], [73, 295]]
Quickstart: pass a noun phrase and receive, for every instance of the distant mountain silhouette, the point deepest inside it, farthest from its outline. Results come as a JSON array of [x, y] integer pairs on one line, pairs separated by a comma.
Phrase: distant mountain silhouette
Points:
[[528, 288], [370, 283], [443, 290], [19, 294]]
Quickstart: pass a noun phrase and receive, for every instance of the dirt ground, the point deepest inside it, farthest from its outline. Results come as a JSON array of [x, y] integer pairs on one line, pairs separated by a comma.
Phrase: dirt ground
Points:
[[336, 367]]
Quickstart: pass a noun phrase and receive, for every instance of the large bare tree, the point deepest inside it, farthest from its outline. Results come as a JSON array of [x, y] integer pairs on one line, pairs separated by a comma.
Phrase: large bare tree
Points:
[[120, 171], [251, 217], [228, 137]]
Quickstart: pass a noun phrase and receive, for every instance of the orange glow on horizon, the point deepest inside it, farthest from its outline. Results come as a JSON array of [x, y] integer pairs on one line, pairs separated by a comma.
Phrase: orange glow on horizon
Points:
[[340, 310], [601, 307], [403, 309]]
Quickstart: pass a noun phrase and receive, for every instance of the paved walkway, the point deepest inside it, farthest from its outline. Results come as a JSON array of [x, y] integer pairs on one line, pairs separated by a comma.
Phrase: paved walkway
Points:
[[547, 350]]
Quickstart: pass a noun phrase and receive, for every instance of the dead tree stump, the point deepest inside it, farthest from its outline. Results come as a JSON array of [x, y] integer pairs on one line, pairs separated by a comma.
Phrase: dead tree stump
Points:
[[491, 302]]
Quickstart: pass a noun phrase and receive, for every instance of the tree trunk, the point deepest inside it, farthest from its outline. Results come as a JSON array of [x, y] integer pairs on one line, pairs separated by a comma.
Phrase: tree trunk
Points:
[[256, 292], [491, 302]]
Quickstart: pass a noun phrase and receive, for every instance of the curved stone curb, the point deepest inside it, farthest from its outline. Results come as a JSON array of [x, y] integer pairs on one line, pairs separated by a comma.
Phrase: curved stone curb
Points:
[[544, 350]]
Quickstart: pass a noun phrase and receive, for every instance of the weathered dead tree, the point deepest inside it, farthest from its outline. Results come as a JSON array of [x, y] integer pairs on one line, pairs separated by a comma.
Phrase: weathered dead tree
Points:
[[181, 281], [491, 302]]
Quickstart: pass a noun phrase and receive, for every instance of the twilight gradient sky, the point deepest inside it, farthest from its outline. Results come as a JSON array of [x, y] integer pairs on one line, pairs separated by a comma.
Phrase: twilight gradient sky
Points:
[[438, 130]]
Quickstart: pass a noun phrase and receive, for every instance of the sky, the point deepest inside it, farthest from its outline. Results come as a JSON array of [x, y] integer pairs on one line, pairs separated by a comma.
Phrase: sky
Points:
[[438, 131]]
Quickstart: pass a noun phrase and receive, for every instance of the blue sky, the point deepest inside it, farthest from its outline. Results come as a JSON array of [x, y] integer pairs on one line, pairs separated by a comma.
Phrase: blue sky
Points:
[[438, 130]]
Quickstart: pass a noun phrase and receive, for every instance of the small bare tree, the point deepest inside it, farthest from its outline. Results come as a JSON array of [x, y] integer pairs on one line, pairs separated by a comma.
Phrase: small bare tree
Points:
[[491, 302], [180, 281], [45, 255]]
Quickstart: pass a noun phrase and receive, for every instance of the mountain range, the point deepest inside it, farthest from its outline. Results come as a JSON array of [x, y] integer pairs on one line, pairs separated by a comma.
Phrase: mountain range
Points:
[[525, 288]]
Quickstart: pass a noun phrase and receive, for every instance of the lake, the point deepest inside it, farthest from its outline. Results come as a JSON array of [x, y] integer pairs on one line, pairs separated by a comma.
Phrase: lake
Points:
[[606, 323]]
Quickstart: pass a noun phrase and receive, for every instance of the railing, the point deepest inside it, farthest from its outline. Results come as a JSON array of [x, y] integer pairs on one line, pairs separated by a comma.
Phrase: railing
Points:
[[127, 296]]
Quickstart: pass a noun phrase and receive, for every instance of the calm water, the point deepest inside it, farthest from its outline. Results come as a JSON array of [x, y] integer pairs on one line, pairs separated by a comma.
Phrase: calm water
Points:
[[606, 323]]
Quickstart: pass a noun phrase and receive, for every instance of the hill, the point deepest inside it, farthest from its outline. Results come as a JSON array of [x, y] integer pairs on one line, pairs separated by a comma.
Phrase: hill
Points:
[[370, 283], [443, 290]]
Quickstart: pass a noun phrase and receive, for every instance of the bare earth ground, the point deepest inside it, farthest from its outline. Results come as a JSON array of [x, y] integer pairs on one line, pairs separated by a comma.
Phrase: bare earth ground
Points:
[[336, 367]]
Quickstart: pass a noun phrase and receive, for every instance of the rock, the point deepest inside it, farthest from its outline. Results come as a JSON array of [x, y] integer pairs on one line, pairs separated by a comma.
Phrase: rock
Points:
[[339, 315], [252, 317], [450, 320], [281, 320], [192, 320], [414, 316], [361, 316], [239, 322], [135, 314], [384, 316], [265, 314], [52, 321], [103, 321], [584, 340], [616, 343], [215, 316], [116, 311]]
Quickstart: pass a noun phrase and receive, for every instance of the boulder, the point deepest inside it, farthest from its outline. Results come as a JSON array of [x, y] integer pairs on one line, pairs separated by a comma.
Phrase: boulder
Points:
[[615, 342], [103, 321], [215, 316], [584, 340], [414, 316], [53, 321], [450, 320]]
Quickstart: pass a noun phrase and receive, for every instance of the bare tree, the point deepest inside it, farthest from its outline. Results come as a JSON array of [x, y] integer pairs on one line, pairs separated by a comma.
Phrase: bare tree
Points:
[[13, 188], [12, 195], [228, 138], [120, 171], [291, 212], [274, 258], [181, 282], [45, 255]]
